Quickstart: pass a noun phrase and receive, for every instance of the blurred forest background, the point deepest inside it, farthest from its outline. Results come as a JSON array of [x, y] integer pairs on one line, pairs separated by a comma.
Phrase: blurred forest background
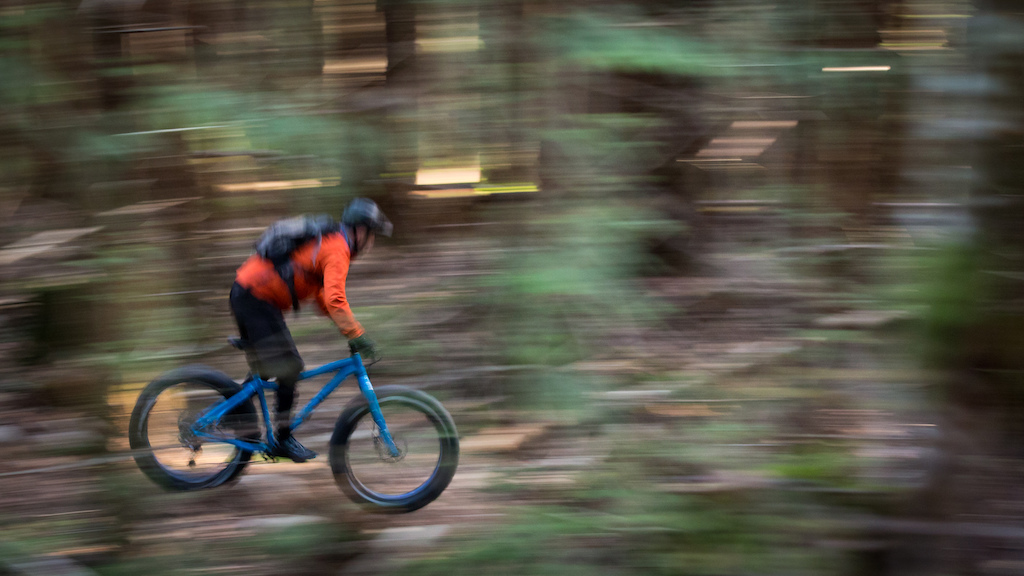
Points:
[[711, 287]]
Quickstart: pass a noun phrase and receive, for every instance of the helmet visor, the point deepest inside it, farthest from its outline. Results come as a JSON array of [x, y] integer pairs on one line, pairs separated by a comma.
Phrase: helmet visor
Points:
[[382, 226]]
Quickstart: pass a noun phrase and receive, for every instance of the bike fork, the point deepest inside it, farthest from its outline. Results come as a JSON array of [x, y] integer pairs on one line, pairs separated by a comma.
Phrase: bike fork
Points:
[[378, 418]]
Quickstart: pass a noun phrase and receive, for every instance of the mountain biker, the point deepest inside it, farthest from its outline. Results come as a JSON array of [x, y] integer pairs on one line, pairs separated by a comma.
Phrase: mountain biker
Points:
[[260, 295]]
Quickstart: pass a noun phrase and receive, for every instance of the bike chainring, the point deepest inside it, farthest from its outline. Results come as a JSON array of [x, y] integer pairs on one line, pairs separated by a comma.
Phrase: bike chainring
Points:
[[186, 435]]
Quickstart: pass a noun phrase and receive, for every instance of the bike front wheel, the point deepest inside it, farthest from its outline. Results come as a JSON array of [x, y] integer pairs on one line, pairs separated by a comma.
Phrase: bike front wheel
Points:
[[428, 444], [164, 442]]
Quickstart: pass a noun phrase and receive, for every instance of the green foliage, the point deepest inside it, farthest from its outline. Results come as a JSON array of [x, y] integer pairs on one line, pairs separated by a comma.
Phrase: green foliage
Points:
[[303, 541], [953, 293], [565, 289], [553, 314], [620, 41], [196, 104], [571, 287], [20, 79], [155, 566], [298, 134], [827, 465], [643, 533], [93, 146]]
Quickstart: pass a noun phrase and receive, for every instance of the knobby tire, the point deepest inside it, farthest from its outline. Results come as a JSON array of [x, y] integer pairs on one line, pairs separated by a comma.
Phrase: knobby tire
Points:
[[218, 386], [428, 483]]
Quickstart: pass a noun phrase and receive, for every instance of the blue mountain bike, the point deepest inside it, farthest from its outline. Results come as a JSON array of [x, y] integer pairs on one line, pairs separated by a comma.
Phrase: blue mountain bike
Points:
[[394, 449]]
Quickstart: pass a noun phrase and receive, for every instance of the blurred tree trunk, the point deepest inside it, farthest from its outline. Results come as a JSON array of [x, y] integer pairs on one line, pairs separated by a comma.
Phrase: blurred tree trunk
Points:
[[401, 85], [400, 31], [505, 39], [976, 328], [295, 52], [210, 20], [989, 375], [107, 19]]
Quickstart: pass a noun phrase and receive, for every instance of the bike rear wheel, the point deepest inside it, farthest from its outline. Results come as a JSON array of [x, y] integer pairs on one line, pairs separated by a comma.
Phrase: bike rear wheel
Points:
[[427, 440], [166, 448]]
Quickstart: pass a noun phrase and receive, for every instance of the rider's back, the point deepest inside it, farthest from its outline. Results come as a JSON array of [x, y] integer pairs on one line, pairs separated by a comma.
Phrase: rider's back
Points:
[[309, 263]]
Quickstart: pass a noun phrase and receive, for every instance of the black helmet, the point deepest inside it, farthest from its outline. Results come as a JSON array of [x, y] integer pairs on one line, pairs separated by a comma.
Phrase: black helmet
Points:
[[364, 212]]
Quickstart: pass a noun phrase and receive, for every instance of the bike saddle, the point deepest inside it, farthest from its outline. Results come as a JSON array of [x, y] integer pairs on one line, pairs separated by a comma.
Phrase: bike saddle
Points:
[[240, 343]]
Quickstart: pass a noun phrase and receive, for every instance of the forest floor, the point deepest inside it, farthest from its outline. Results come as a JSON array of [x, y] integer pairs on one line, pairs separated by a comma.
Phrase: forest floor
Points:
[[746, 346]]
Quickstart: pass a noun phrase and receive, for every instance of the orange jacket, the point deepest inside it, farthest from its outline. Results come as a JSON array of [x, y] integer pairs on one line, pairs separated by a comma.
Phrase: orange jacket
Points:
[[321, 267]]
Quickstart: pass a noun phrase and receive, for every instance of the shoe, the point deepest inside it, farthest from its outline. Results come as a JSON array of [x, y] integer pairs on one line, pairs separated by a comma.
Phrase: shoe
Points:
[[292, 450]]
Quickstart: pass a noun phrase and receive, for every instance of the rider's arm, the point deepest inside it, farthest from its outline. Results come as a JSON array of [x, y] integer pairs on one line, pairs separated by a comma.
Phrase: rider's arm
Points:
[[334, 256], [321, 304]]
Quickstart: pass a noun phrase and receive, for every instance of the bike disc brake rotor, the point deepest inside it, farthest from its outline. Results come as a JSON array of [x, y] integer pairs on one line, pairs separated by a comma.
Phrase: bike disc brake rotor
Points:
[[382, 448]]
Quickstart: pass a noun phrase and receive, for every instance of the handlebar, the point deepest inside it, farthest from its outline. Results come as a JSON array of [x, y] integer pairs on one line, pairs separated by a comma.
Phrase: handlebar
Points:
[[352, 350]]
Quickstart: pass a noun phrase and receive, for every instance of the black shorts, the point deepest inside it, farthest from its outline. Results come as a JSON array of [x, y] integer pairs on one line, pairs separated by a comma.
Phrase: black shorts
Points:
[[272, 351]]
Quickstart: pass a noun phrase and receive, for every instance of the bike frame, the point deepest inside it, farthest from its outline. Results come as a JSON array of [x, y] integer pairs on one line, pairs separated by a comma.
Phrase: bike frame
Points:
[[257, 385]]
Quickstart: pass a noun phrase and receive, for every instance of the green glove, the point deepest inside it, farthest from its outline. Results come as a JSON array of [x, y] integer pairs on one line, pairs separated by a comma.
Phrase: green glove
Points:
[[364, 347]]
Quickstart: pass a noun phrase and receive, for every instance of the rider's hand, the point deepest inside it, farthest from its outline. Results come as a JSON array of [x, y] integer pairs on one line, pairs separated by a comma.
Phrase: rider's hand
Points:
[[364, 346]]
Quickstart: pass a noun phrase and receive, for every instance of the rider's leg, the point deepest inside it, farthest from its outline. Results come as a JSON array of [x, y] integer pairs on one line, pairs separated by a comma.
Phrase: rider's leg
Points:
[[275, 356], [286, 394], [285, 401], [287, 445], [285, 368]]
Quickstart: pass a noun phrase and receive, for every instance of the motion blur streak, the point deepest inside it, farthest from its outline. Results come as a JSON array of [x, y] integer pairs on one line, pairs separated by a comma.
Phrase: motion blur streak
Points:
[[709, 288]]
